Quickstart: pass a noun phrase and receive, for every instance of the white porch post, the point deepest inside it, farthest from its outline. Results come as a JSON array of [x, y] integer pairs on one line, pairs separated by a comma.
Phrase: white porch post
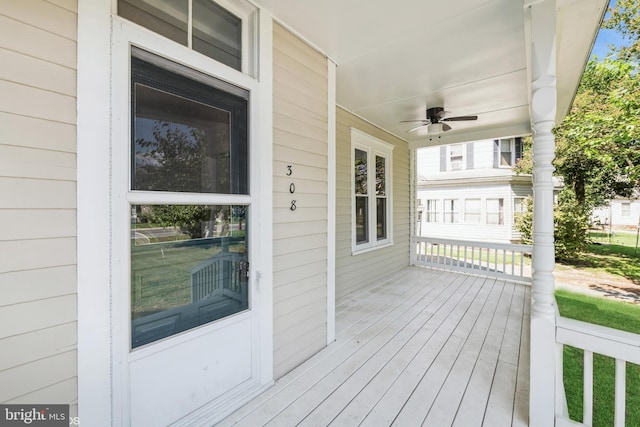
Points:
[[543, 112]]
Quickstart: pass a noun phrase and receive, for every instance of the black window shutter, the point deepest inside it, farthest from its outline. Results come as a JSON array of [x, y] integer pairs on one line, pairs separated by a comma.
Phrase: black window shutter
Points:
[[496, 153], [470, 155], [443, 158]]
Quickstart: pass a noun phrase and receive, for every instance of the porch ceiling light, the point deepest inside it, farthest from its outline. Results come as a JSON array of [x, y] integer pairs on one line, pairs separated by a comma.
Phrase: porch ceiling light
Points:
[[434, 128]]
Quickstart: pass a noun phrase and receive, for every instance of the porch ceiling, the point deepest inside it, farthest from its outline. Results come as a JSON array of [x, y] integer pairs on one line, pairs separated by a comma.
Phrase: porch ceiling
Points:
[[397, 58]]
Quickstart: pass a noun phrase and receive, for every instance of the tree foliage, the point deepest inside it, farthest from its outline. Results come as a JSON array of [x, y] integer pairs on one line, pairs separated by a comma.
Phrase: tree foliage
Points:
[[598, 143]]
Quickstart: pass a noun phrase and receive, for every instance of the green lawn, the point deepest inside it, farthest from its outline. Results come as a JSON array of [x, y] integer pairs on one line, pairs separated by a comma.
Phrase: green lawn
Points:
[[618, 315]]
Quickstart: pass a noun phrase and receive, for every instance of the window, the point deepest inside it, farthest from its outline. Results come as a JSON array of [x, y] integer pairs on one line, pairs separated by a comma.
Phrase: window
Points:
[[519, 207], [432, 210], [495, 211], [221, 33], [372, 174], [451, 210], [507, 152], [189, 134], [625, 209], [472, 211], [455, 157]]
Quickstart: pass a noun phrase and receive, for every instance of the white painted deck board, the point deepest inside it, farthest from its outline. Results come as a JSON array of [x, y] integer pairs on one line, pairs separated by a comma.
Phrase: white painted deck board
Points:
[[419, 347]]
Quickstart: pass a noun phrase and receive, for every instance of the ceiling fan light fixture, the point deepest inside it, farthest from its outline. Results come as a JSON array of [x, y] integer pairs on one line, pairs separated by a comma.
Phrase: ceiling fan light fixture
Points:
[[434, 128]]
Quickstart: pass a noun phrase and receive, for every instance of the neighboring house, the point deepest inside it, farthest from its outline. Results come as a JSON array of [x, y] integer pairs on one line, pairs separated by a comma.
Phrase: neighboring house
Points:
[[184, 189], [469, 191], [620, 214]]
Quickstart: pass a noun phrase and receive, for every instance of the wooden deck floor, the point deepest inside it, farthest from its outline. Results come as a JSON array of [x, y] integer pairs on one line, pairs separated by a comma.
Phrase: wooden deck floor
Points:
[[420, 347]]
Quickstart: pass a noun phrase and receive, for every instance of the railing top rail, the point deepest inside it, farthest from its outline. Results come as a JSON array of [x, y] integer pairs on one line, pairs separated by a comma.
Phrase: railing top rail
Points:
[[490, 245], [598, 331]]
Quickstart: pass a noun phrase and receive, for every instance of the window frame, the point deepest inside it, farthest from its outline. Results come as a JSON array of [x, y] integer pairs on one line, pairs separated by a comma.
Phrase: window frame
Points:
[[513, 152], [431, 210], [450, 155], [500, 211], [374, 147], [468, 212], [451, 216]]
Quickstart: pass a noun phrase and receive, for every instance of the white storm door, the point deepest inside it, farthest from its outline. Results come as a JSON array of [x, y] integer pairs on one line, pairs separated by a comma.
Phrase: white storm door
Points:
[[190, 321]]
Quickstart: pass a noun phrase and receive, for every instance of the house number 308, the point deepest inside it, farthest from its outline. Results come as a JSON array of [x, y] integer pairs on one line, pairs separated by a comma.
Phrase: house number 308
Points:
[[292, 187]]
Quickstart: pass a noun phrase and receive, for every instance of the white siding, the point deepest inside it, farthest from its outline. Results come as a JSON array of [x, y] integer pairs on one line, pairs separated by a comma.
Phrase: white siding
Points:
[[38, 357], [299, 236], [461, 230], [353, 271]]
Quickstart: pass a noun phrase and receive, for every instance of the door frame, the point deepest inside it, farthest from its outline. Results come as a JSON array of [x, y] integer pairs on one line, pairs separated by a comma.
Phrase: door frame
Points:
[[103, 105]]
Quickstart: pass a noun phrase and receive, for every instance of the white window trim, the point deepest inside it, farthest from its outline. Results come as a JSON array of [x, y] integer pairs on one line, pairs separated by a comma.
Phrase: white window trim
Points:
[[512, 148], [373, 146]]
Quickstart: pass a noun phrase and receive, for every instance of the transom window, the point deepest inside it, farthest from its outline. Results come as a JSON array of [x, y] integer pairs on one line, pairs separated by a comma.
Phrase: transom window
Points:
[[189, 256], [218, 29], [372, 174]]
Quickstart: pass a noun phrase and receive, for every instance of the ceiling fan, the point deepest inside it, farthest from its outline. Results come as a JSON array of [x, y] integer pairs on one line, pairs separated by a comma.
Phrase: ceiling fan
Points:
[[435, 118]]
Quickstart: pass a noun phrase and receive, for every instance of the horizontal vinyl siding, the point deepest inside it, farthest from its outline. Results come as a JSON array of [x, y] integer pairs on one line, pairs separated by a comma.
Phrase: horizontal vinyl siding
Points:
[[353, 271], [299, 237], [38, 300]]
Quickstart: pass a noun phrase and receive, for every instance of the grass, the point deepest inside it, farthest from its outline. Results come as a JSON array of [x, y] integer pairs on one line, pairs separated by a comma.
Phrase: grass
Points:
[[618, 315], [617, 258]]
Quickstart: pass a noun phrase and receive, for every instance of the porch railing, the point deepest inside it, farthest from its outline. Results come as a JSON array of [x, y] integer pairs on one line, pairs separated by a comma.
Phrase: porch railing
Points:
[[508, 261], [624, 347]]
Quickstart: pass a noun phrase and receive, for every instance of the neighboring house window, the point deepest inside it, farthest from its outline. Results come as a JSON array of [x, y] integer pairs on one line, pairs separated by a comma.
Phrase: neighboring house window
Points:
[[519, 207], [495, 211], [432, 210], [451, 209], [372, 174], [625, 209], [219, 31], [456, 157], [507, 152], [472, 211], [189, 136]]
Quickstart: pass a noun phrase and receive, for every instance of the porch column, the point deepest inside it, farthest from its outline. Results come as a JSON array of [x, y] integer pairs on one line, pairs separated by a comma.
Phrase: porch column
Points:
[[543, 112]]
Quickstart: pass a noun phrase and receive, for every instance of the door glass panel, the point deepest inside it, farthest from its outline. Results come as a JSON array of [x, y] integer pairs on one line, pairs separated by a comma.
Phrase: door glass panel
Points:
[[187, 136], [188, 267]]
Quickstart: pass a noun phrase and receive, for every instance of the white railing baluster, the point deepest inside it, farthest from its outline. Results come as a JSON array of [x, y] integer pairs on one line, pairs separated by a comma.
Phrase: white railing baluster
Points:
[[621, 393], [588, 388]]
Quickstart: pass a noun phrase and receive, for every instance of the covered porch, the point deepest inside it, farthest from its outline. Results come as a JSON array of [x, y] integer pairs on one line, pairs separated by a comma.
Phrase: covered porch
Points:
[[421, 346]]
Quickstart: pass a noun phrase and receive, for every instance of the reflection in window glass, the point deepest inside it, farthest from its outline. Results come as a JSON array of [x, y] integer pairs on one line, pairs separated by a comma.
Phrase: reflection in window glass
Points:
[[217, 33], [360, 170], [188, 267], [472, 211], [166, 17], [362, 219], [188, 136], [381, 222]]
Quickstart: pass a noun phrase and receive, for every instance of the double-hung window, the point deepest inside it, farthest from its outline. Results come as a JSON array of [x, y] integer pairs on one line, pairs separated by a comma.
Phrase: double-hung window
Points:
[[451, 209], [432, 211], [472, 212], [495, 211], [371, 183]]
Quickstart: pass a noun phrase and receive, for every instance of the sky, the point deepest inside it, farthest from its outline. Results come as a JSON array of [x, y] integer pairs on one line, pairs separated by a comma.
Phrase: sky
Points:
[[605, 38]]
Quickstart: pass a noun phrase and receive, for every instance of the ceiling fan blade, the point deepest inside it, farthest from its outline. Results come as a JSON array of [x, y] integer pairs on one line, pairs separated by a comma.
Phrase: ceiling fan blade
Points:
[[418, 127], [459, 118], [445, 127], [415, 121]]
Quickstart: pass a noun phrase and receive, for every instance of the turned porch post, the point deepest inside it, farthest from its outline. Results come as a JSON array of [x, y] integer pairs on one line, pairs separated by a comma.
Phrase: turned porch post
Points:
[[543, 111]]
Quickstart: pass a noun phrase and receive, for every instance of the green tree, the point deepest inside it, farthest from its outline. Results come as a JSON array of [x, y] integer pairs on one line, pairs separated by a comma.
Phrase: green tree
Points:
[[598, 143]]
